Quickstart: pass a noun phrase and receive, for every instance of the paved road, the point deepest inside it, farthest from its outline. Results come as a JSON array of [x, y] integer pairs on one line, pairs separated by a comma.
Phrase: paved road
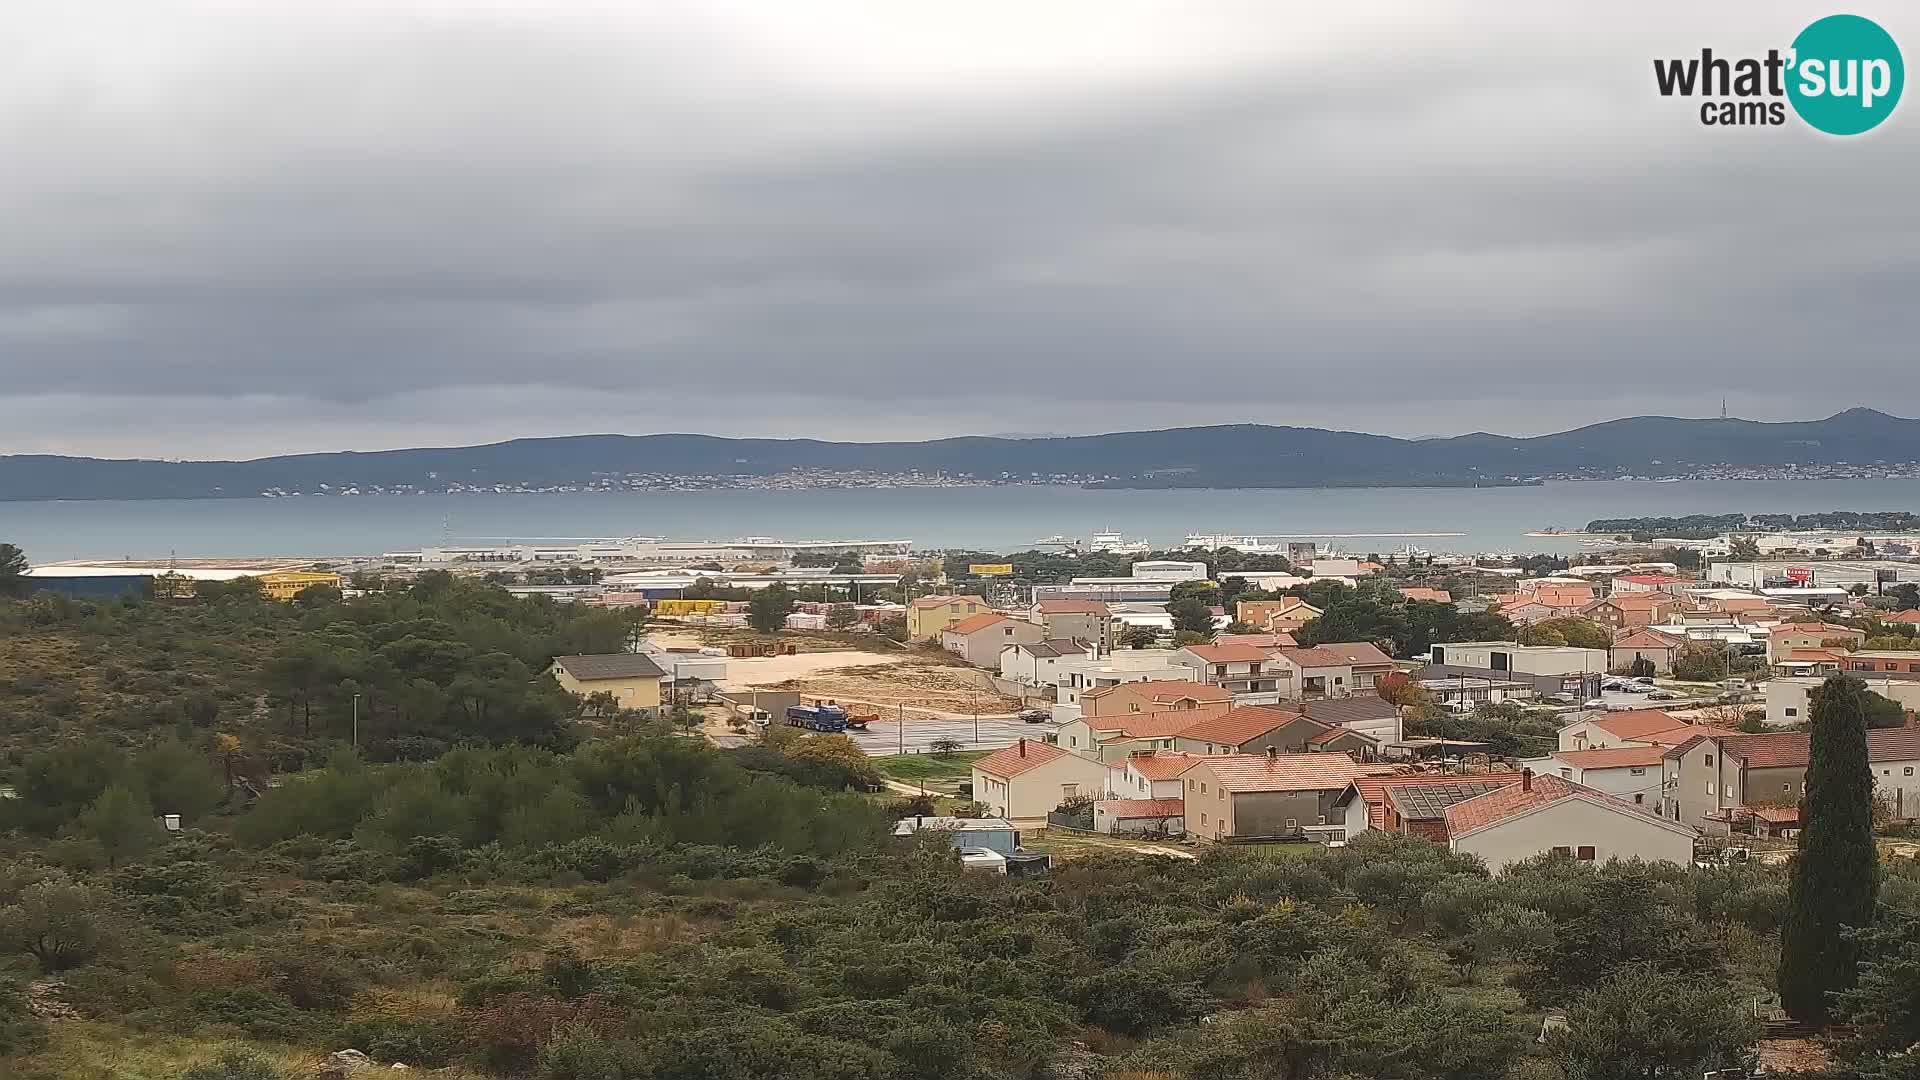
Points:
[[995, 732]]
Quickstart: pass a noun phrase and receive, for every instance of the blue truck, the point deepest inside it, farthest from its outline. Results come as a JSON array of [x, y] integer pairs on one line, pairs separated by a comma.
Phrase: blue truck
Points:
[[824, 717]]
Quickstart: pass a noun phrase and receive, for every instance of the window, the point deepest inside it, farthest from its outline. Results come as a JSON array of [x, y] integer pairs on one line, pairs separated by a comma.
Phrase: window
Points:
[[1709, 760], [1190, 784], [1068, 791], [1203, 787], [1563, 851], [1786, 787], [1908, 771], [1639, 799], [1323, 819], [627, 692], [1133, 706], [1223, 794], [1637, 772], [1203, 817], [1709, 787], [1567, 773], [1793, 712], [1293, 823], [1586, 853]]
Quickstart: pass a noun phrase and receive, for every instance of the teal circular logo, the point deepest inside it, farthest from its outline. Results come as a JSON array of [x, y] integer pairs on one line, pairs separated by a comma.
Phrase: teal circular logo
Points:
[[1846, 75]]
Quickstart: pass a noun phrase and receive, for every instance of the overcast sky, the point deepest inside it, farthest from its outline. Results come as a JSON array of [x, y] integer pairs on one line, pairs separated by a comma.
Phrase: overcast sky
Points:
[[264, 227]]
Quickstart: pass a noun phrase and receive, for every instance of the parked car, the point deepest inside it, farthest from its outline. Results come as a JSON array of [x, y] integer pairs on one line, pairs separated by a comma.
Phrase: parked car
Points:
[[1662, 695], [1035, 716], [1644, 680]]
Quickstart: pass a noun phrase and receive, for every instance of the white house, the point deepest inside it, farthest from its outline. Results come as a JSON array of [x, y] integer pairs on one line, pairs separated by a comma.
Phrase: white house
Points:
[[1080, 674], [1546, 814], [1789, 699], [1028, 779], [1525, 659], [1039, 663], [1168, 570], [1633, 774]]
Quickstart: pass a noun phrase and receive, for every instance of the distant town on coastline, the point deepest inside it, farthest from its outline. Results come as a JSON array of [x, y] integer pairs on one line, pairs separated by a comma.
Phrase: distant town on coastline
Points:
[[1857, 443]]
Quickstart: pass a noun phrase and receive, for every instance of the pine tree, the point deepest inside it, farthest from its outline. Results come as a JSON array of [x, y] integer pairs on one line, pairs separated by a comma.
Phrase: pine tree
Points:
[[1836, 875]]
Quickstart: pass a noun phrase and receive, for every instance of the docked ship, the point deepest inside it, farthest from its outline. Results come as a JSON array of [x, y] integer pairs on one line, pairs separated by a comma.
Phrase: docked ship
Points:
[[1112, 542]]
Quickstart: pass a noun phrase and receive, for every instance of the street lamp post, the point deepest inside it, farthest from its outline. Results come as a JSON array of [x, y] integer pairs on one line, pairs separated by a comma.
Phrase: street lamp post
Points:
[[356, 721]]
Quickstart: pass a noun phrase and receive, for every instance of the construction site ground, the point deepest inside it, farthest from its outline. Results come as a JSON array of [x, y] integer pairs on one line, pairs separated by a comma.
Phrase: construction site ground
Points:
[[927, 685]]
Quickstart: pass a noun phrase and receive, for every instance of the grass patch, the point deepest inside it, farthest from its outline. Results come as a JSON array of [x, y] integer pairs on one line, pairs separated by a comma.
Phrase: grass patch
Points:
[[935, 772]]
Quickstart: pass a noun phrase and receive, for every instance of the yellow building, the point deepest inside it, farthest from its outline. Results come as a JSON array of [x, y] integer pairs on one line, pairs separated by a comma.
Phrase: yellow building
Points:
[[929, 616], [284, 585], [689, 607], [632, 679]]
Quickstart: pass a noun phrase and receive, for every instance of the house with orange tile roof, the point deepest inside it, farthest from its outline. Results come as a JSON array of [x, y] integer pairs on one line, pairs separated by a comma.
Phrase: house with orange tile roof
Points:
[[1412, 804], [1642, 643], [1785, 637], [1166, 709], [1243, 796], [1255, 729], [1140, 817], [1285, 615], [1153, 695], [1543, 815], [978, 639], [927, 616], [1421, 594], [1239, 669], [1648, 583], [1634, 774], [1149, 774], [1630, 727], [1262, 640], [1027, 780], [1908, 618], [1626, 610]]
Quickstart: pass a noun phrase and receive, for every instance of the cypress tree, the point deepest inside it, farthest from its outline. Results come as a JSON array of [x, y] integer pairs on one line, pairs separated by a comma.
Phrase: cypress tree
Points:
[[1836, 874]]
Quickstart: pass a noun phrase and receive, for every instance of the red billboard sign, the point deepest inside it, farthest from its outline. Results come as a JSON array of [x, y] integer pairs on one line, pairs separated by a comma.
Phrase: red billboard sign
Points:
[[1798, 574]]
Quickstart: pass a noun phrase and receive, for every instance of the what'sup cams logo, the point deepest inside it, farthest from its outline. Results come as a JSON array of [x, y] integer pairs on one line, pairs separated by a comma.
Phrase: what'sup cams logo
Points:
[[1842, 76]]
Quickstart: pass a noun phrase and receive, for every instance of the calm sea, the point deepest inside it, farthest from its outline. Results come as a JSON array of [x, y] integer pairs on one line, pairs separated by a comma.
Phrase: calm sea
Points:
[[1489, 519]]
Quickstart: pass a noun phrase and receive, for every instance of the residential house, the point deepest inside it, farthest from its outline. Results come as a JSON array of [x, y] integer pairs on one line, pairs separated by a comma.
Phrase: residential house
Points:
[[1820, 662], [1315, 673], [1149, 774], [928, 616], [1909, 617], [1547, 814], [1256, 729], [1709, 777], [1783, 638], [978, 639], [1285, 615], [1113, 738], [1140, 817], [632, 679], [1868, 663], [1365, 659], [1625, 610], [1790, 698], [1154, 695], [1041, 663], [1028, 779], [1420, 594], [1081, 620], [1644, 643], [1243, 796], [1527, 611], [1411, 804], [1122, 666], [1239, 669], [1633, 774], [1583, 686], [1631, 727], [1366, 714]]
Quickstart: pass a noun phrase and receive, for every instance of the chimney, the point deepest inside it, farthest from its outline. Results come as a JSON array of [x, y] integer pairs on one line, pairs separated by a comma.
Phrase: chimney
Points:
[[1023, 747], [1273, 753], [1526, 779]]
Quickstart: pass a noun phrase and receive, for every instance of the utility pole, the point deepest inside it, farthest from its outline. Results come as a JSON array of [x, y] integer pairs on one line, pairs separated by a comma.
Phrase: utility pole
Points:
[[900, 725], [356, 721]]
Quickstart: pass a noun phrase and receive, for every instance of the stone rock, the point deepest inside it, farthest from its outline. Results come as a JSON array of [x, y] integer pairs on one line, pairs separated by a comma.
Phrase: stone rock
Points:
[[349, 1061]]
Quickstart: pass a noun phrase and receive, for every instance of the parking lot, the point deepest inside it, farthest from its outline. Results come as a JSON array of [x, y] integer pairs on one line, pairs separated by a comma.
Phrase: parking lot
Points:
[[920, 735]]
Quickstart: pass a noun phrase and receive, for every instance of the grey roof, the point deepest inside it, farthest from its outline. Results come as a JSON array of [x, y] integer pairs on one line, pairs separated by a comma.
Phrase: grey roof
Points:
[[610, 666], [1420, 802], [1346, 710], [1056, 647]]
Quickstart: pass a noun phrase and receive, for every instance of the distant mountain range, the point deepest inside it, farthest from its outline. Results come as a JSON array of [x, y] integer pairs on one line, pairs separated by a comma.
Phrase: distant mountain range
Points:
[[1237, 455]]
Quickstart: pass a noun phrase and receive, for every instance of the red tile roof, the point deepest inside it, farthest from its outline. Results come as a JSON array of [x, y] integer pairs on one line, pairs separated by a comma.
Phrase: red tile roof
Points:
[[1141, 808], [1318, 657], [1486, 811], [1373, 789], [1793, 749], [1903, 617], [1239, 726], [1413, 593], [1158, 724], [1166, 690], [1023, 756], [1229, 654], [1161, 764], [1334, 734], [1620, 757], [1258, 641], [1686, 733], [975, 623], [1634, 723], [1240, 773]]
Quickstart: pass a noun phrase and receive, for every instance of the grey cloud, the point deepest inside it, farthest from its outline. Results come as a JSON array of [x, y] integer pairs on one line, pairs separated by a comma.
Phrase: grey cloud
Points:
[[452, 227]]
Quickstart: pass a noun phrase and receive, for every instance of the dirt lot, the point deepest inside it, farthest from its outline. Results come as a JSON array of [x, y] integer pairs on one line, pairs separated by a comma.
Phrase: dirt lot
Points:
[[909, 683]]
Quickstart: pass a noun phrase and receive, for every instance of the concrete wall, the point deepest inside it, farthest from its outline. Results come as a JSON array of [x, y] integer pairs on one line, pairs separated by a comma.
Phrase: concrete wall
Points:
[[1574, 823]]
